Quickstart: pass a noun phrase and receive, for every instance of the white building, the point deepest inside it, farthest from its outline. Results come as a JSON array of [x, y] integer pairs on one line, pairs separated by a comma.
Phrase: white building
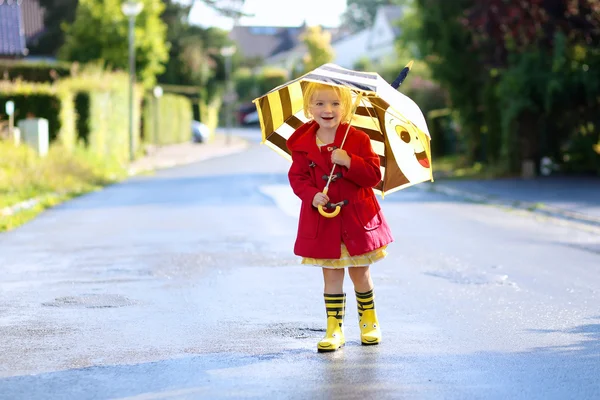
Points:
[[377, 43]]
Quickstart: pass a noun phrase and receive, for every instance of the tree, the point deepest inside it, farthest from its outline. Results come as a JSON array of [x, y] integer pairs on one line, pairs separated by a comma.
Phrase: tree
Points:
[[59, 12], [542, 51], [318, 44], [100, 32], [56, 12], [360, 14], [436, 31]]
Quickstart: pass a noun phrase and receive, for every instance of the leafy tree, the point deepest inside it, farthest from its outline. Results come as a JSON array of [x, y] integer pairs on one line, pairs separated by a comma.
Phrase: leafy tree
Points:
[[542, 52], [100, 32], [360, 14], [435, 31], [318, 44], [58, 12], [55, 13]]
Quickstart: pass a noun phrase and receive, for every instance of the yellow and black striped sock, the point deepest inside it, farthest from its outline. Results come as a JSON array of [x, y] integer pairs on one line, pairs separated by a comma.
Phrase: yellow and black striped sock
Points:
[[364, 301], [335, 305]]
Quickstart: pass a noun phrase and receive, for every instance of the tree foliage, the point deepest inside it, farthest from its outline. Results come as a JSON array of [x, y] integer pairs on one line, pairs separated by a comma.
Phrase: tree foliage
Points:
[[100, 33], [194, 57], [56, 12], [518, 74], [318, 44]]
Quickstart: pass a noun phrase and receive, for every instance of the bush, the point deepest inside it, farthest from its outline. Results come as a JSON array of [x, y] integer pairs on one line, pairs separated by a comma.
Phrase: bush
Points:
[[34, 72], [174, 122]]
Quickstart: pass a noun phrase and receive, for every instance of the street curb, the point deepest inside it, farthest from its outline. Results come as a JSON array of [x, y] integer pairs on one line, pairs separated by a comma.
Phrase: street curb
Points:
[[21, 206], [536, 208]]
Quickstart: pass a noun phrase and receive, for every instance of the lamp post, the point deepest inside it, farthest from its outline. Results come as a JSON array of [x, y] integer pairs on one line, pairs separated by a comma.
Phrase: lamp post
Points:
[[227, 53], [158, 92], [131, 9]]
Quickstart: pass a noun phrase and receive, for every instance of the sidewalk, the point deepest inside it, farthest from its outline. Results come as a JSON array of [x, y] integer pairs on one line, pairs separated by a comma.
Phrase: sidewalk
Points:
[[187, 153], [571, 198]]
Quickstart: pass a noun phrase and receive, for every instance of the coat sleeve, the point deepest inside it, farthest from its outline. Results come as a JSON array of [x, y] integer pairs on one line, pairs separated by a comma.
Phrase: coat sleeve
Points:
[[300, 178], [364, 165]]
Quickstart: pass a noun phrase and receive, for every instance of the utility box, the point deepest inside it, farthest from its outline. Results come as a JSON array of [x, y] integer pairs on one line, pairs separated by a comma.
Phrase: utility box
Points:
[[34, 133]]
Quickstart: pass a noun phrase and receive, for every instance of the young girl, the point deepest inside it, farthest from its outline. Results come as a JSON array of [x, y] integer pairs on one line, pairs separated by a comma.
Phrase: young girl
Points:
[[359, 234]]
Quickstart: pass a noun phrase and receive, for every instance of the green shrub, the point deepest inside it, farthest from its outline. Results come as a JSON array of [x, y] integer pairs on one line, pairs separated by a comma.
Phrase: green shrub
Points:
[[174, 119], [34, 72]]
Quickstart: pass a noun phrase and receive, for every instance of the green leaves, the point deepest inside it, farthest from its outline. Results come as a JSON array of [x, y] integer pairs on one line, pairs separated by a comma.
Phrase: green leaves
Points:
[[100, 33]]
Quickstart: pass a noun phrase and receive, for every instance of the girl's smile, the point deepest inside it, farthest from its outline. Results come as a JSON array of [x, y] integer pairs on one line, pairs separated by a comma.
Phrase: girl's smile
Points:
[[326, 109]]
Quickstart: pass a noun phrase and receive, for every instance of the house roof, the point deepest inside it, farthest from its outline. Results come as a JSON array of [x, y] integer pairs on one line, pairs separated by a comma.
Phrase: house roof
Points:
[[266, 41], [12, 35]]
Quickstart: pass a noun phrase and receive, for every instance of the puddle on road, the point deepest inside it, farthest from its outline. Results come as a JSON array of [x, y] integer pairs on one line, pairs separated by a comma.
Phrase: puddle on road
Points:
[[91, 301], [294, 331], [473, 278]]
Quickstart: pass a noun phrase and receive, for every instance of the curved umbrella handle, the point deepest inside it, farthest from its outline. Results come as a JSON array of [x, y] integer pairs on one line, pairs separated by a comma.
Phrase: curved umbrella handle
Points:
[[325, 213], [331, 214]]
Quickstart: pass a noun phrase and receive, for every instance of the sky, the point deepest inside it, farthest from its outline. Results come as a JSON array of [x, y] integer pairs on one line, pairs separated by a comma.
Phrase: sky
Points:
[[275, 13]]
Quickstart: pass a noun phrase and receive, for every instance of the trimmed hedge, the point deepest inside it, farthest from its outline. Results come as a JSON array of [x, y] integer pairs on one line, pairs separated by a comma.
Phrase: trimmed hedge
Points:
[[174, 119], [35, 71], [93, 109]]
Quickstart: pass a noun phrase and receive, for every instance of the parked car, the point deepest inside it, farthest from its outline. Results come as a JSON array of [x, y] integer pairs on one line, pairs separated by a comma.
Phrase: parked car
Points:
[[200, 132], [251, 118], [243, 111]]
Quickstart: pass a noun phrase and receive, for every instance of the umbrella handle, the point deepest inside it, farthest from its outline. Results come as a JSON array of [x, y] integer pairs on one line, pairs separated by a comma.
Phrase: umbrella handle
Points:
[[331, 214], [325, 213]]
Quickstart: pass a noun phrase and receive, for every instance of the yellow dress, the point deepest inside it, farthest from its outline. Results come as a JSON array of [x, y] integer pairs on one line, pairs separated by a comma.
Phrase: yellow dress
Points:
[[346, 260]]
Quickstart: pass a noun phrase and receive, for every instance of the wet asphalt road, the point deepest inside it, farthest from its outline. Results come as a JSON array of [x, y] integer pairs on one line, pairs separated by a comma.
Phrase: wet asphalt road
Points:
[[183, 285]]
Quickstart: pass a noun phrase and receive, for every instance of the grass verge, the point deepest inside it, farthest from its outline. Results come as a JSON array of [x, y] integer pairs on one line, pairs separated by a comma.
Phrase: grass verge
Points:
[[456, 167], [49, 180]]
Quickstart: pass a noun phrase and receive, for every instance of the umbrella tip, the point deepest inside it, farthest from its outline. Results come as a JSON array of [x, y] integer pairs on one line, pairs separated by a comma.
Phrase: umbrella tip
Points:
[[398, 81]]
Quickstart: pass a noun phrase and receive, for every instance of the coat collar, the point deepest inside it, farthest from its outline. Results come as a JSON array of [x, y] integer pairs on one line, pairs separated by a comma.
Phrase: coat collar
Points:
[[305, 140]]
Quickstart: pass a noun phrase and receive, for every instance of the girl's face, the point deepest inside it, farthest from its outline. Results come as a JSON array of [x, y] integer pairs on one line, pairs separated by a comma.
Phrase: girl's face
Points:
[[326, 108]]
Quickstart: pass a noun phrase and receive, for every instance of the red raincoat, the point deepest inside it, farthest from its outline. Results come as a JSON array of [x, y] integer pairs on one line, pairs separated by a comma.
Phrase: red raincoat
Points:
[[360, 224]]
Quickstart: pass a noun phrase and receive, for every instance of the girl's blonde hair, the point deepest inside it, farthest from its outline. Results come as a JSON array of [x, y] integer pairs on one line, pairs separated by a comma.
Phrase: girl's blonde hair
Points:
[[342, 92]]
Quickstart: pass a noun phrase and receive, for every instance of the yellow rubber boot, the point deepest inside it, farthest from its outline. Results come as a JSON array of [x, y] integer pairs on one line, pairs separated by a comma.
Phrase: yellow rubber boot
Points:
[[370, 333], [335, 304]]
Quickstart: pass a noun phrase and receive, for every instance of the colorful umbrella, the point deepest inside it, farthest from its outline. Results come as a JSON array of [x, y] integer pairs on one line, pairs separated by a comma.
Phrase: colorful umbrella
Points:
[[394, 122]]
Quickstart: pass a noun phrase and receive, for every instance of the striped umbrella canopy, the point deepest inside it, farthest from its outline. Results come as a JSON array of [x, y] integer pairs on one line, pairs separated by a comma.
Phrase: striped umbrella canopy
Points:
[[393, 121]]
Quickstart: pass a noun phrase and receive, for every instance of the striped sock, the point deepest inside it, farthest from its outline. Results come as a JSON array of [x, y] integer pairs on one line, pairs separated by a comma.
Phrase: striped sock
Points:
[[364, 301], [335, 305]]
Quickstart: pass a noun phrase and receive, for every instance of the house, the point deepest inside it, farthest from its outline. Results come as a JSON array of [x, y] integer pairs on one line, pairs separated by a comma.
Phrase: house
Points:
[[263, 42], [377, 43], [33, 20], [12, 33]]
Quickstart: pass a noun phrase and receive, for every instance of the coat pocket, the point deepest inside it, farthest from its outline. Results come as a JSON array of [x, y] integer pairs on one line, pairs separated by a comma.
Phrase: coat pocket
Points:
[[368, 213], [308, 223]]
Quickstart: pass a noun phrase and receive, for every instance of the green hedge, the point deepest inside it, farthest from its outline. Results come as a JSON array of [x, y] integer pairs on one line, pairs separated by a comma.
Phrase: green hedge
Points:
[[93, 109], [34, 71], [174, 121], [47, 101]]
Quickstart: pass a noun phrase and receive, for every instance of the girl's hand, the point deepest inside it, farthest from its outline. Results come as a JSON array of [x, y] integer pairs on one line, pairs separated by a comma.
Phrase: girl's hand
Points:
[[320, 199], [340, 157]]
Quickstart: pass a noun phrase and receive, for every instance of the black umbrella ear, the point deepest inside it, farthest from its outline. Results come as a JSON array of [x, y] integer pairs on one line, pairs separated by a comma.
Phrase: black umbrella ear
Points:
[[398, 81]]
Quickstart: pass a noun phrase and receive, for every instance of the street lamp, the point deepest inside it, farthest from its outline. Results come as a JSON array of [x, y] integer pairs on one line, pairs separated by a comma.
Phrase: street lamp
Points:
[[131, 9], [227, 52], [157, 92]]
